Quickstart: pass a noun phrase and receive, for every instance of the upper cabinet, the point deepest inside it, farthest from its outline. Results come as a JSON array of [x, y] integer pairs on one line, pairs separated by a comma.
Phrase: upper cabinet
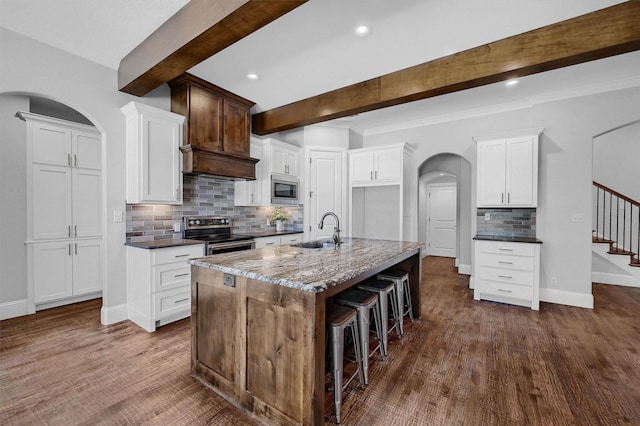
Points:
[[250, 192], [507, 169], [217, 128], [154, 137], [284, 158], [378, 166]]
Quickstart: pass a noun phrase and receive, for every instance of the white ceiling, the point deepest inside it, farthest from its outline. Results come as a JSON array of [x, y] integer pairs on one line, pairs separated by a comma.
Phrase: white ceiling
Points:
[[313, 49]]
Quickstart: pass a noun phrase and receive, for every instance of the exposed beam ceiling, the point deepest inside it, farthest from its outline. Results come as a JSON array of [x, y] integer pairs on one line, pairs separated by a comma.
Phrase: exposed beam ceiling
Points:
[[607, 32], [199, 30]]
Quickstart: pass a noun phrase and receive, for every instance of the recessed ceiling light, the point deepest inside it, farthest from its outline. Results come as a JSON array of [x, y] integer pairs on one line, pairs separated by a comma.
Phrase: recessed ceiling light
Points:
[[252, 76], [362, 30], [511, 83], [441, 174]]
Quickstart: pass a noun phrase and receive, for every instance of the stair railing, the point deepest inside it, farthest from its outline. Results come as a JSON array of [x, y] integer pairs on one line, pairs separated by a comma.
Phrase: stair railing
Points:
[[617, 220]]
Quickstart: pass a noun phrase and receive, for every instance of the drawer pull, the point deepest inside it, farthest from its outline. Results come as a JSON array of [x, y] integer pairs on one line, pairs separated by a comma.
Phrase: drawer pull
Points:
[[269, 244], [182, 255], [181, 300], [504, 276], [505, 291], [504, 263], [181, 275], [504, 249]]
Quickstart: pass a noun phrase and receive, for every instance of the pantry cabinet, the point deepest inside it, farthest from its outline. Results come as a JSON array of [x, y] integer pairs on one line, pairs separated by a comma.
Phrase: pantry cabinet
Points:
[[154, 164], [507, 272], [507, 170], [64, 211], [377, 166]]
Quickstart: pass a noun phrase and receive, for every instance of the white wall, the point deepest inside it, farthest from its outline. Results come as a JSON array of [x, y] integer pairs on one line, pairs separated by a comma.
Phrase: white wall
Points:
[[30, 67], [564, 178]]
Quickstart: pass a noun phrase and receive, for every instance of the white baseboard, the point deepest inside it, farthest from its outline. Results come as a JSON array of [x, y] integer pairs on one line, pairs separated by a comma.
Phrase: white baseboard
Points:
[[464, 269], [14, 309], [615, 279], [114, 314], [561, 297]]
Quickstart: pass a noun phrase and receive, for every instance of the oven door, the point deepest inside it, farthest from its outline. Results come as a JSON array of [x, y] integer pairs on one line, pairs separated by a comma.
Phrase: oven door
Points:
[[217, 248]]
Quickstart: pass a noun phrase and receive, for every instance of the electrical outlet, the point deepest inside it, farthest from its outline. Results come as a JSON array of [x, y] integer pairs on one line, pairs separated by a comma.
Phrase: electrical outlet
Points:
[[554, 281], [268, 222], [176, 227], [487, 216], [577, 218], [117, 216]]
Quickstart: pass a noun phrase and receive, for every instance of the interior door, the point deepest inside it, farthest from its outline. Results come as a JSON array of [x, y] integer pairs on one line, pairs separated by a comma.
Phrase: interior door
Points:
[[325, 190], [442, 229]]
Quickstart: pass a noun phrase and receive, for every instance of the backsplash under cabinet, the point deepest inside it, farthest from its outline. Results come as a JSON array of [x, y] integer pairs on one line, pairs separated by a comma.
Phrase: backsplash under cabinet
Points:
[[506, 222]]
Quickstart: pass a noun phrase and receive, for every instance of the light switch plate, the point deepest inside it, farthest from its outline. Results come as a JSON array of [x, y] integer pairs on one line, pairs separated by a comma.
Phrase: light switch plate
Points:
[[176, 227], [487, 216], [577, 218], [117, 216]]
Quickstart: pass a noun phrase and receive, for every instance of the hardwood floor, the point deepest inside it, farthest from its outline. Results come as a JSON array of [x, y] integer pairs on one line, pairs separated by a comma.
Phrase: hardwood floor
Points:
[[464, 362]]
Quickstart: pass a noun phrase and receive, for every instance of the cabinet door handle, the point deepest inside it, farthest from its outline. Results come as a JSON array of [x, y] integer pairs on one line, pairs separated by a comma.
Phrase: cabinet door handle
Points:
[[505, 291], [181, 275], [76, 248], [75, 160], [69, 230], [181, 300], [69, 249], [182, 255], [69, 159], [504, 249], [508, 197], [502, 198], [504, 276], [371, 177], [505, 263], [269, 244], [376, 174], [75, 230]]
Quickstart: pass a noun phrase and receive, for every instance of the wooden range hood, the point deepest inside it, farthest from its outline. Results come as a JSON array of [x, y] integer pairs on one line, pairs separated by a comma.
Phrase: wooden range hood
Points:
[[196, 161]]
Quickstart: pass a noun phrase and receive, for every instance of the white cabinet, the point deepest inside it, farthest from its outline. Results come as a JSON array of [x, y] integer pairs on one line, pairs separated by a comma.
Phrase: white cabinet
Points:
[[507, 272], [284, 158], [65, 269], [278, 240], [507, 170], [378, 166], [154, 166], [64, 211], [250, 192], [159, 284]]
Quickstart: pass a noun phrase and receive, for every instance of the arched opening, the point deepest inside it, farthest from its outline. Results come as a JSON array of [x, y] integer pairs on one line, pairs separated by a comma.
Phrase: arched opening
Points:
[[444, 208], [16, 298]]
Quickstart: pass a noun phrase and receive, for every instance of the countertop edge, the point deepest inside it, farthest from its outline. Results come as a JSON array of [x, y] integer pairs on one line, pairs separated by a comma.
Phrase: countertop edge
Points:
[[507, 239]]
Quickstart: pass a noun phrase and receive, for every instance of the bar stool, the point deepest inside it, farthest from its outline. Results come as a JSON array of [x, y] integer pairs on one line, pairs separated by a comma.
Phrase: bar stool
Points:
[[385, 290], [403, 291], [338, 319], [365, 303]]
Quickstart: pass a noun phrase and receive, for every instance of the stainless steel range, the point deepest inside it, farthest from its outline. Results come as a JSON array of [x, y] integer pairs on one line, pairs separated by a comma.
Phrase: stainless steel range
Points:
[[215, 231]]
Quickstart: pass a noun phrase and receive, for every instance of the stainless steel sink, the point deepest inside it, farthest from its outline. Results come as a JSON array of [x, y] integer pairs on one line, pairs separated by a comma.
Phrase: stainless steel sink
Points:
[[315, 244]]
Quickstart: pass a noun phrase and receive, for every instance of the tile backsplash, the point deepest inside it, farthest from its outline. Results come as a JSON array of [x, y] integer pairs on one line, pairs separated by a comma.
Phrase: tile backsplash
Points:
[[202, 196], [507, 222]]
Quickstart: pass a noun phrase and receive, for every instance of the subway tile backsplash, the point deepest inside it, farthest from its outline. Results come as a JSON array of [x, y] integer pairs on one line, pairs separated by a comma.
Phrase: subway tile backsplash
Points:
[[507, 222], [202, 196]]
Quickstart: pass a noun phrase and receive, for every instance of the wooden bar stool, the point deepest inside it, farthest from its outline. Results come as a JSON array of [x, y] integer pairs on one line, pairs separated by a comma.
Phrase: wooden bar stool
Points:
[[386, 291], [365, 303], [338, 319], [403, 291]]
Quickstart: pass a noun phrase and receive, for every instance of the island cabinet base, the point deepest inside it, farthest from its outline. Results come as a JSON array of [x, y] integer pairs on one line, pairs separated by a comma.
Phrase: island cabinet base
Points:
[[259, 345]]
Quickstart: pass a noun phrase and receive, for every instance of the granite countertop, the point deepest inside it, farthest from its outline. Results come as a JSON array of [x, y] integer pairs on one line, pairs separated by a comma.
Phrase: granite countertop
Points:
[[307, 269], [509, 239], [163, 243]]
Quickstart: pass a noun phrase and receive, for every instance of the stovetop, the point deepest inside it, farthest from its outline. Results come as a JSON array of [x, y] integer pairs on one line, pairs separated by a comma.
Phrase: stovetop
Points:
[[212, 229]]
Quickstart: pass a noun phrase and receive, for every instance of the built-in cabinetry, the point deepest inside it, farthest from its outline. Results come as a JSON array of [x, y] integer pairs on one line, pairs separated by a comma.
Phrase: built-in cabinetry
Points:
[[507, 169], [507, 272], [159, 284], [278, 240], [64, 211], [379, 204], [276, 157], [154, 166], [217, 128]]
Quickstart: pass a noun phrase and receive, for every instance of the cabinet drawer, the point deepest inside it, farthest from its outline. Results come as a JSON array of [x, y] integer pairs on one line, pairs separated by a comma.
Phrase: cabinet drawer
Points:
[[505, 290], [505, 261], [176, 254], [508, 276], [291, 239], [498, 247], [267, 242], [171, 275], [172, 302]]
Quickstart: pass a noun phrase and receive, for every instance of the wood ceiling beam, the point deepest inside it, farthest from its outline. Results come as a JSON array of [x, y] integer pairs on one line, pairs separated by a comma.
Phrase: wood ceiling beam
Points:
[[199, 30], [607, 32]]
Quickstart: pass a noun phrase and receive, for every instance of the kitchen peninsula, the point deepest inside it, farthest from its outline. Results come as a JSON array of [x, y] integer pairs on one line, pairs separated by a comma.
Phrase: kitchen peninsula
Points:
[[258, 320]]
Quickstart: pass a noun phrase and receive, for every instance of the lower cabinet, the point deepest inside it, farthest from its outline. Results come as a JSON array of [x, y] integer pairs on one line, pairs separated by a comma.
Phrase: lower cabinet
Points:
[[507, 272], [159, 284], [65, 270], [278, 240]]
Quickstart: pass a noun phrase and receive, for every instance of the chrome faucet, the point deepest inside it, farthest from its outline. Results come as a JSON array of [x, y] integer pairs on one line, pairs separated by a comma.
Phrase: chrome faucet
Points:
[[336, 229]]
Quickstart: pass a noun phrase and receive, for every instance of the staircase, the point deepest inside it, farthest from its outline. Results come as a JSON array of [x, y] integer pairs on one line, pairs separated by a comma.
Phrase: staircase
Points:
[[616, 234]]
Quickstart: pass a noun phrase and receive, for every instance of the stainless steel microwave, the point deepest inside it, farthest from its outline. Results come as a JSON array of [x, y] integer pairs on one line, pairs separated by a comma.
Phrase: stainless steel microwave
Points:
[[284, 189]]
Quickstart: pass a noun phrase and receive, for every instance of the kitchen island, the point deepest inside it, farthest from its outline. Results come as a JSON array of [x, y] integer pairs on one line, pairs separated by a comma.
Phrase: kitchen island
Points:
[[258, 320]]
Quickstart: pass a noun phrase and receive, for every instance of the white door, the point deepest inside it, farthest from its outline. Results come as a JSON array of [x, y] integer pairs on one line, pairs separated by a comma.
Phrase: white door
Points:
[[441, 230], [52, 271], [325, 190], [86, 206], [87, 266], [51, 202]]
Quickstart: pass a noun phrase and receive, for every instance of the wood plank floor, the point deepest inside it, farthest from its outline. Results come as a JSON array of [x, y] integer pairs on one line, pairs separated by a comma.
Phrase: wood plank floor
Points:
[[463, 363]]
